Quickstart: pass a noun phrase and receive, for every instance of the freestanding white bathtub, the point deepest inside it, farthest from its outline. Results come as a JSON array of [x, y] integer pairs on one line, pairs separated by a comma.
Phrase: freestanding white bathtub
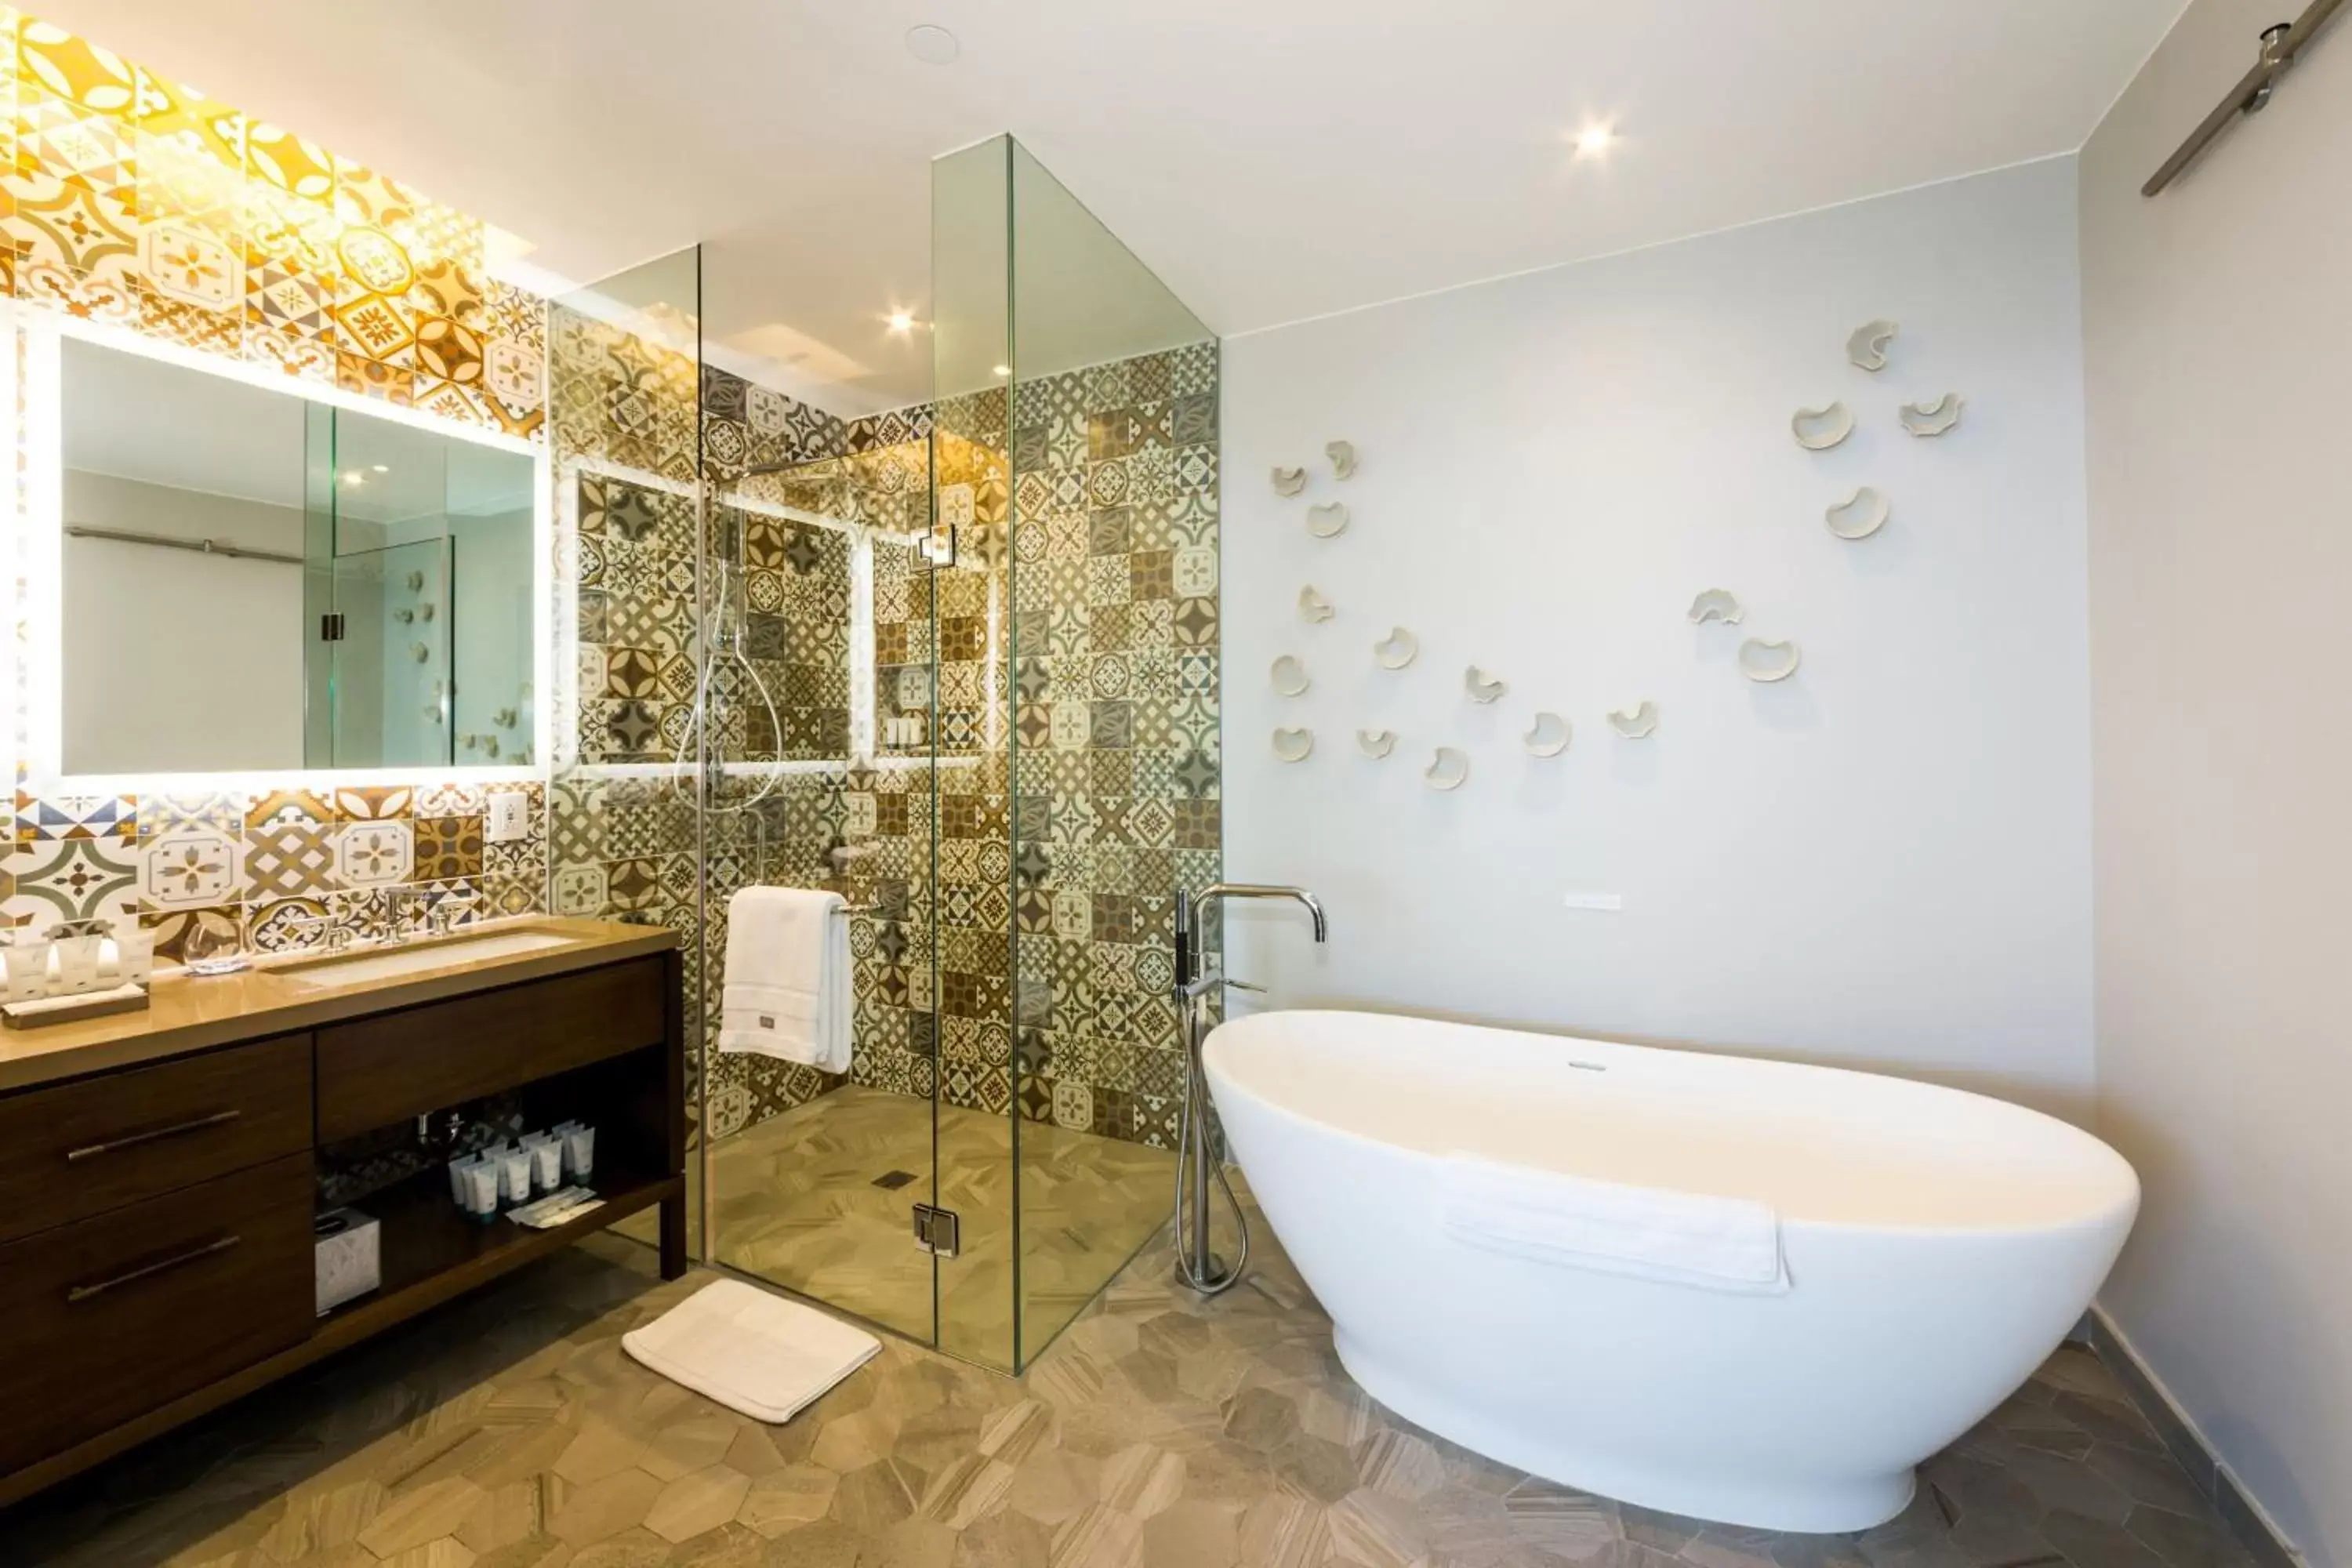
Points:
[[1937, 1244]]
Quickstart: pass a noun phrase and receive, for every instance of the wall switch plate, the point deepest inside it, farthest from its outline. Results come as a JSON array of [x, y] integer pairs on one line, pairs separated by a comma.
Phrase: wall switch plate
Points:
[[1607, 903], [509, 817]]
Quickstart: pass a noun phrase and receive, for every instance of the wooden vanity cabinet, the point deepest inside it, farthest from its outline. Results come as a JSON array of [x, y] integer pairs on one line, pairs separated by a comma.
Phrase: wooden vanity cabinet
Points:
[[155, 1220]]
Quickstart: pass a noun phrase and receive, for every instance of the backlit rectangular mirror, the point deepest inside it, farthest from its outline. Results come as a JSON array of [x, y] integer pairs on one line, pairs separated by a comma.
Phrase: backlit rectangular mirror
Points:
[[254, 577]]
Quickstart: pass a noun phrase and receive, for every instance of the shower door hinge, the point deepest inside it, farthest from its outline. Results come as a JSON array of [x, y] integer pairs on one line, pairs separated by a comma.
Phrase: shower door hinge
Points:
[[330, 626], [936, 1230]]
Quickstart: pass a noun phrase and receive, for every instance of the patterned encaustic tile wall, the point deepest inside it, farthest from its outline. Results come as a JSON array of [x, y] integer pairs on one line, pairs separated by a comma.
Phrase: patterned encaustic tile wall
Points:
[[135, 202], [1035, 734]]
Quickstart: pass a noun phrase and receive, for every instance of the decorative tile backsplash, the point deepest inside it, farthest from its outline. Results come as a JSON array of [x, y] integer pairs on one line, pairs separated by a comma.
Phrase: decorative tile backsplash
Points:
[[129, 200]]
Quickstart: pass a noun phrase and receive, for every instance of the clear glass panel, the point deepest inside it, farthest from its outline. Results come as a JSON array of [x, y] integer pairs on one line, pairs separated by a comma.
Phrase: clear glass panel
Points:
[[391, 665], [817, 1178], [1113, 457], [970, 580], [630, 585], [317, 584]]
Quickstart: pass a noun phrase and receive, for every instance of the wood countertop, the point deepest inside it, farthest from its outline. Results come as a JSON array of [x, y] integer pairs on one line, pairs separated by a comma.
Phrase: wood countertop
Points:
[[187, 1012]]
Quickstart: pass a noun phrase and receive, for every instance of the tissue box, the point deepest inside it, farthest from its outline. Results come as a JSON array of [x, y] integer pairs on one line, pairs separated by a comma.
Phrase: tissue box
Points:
[[348, 1258]]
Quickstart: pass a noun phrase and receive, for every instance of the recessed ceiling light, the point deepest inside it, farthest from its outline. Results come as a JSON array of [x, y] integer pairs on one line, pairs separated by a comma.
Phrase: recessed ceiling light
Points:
[[1004, 370], [902, 321], [933, 45], [1595, 139], [354, 477], [383, 467]]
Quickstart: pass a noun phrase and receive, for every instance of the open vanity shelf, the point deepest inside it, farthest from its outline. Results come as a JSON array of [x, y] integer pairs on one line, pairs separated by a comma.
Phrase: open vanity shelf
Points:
[[159, 1172]]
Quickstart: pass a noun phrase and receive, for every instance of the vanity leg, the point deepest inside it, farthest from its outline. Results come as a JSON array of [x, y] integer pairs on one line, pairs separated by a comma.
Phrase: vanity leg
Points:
[[673, 1238]]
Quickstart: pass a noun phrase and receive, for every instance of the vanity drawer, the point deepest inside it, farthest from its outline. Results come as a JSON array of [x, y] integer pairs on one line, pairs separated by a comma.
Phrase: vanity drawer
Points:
[[82, 1148], [376, 1071], [110, 1316]]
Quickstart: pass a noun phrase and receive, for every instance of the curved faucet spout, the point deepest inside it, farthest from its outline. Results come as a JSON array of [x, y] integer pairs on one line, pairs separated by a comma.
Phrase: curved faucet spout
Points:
[[1218, 892], [1198, 1163]]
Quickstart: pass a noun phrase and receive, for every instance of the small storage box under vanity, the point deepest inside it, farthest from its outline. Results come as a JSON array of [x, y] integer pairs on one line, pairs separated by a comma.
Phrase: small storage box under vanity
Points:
[[164, 1245]]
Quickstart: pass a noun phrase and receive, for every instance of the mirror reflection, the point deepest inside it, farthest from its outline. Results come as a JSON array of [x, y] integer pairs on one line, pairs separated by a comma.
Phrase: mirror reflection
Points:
[[363, 587]]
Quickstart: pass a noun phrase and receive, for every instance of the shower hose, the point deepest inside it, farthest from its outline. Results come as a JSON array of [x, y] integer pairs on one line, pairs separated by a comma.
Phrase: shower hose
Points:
[[1196, 1166]]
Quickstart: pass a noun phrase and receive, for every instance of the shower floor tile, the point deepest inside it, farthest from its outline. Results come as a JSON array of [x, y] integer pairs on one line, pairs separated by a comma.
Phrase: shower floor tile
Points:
[[509, 1430], [800, 1199]]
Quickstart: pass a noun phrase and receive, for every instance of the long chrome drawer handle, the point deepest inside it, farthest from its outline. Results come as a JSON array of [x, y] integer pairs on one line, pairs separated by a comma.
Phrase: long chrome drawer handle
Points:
[[193, 1255], [89, 1151]]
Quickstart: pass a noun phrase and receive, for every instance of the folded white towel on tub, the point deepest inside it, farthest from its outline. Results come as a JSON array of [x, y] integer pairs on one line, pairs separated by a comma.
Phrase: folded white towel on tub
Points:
[[787, 990], [1647, 1233]]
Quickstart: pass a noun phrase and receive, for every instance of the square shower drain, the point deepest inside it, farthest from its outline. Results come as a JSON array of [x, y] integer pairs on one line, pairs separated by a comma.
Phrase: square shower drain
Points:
[[892, 1181]]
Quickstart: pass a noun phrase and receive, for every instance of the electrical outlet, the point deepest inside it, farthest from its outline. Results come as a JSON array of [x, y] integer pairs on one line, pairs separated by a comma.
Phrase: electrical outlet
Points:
[[509, 817]]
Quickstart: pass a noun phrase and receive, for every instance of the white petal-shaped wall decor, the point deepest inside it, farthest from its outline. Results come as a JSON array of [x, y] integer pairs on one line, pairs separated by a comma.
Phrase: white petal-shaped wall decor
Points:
[[1761, 661], [1313, 607], [1819, 429], [1547, 737], [1397, 649], [1376, 743], [1634, 724], [1867, 346], [1343, 458], [1292, 745], [1447, 769], [1328, 521], [1716, 605], [1481, 686], [1859, 515], [1933, 418], [1289, 675], [1289, 481]]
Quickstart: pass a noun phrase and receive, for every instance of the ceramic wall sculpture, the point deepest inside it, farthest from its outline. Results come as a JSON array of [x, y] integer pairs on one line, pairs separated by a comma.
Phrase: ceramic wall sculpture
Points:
[[1867, 346], [1858, 516], [1547, 737], [1819, 429], [1635, 724], [1933, 418], [1769, 661], [1716, 605]]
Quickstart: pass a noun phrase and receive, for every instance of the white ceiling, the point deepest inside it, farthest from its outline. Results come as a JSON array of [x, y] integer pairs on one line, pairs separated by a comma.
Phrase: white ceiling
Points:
[[1270, 162]]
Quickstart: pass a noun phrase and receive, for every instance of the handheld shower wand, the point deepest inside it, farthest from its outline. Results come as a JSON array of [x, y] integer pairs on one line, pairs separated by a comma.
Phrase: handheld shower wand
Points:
[[1197, 1165]]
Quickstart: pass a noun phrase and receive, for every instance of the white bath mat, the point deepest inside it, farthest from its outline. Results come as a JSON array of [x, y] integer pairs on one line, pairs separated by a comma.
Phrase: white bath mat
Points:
[[752, 1351]]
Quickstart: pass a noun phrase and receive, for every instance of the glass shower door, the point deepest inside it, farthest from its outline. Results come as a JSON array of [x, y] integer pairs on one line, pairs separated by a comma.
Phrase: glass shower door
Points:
[[390, 656]]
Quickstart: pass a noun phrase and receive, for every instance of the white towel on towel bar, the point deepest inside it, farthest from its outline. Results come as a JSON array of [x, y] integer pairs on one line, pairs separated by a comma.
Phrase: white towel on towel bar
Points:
[[787, 987], [1648, 1232]]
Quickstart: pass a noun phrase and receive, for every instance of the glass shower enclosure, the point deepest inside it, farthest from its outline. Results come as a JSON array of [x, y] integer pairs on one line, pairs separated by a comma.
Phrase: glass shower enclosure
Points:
[[954, 661]]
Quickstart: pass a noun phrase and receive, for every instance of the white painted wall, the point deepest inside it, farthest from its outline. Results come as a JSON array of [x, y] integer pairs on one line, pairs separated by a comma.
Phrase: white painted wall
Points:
[[1884, 860], [176, 662], [2218, 338]]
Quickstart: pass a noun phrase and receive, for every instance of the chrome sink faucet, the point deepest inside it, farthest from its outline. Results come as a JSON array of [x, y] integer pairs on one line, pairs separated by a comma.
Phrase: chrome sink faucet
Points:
[[1197, 1166]]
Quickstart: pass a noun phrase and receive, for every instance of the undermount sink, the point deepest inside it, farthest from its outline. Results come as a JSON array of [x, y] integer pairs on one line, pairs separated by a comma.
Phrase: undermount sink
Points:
[[413, 957]]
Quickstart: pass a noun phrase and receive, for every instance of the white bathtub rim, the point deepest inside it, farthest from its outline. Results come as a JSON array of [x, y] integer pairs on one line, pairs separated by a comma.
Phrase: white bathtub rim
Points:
[[2124, 1207], [1861, 1504]]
